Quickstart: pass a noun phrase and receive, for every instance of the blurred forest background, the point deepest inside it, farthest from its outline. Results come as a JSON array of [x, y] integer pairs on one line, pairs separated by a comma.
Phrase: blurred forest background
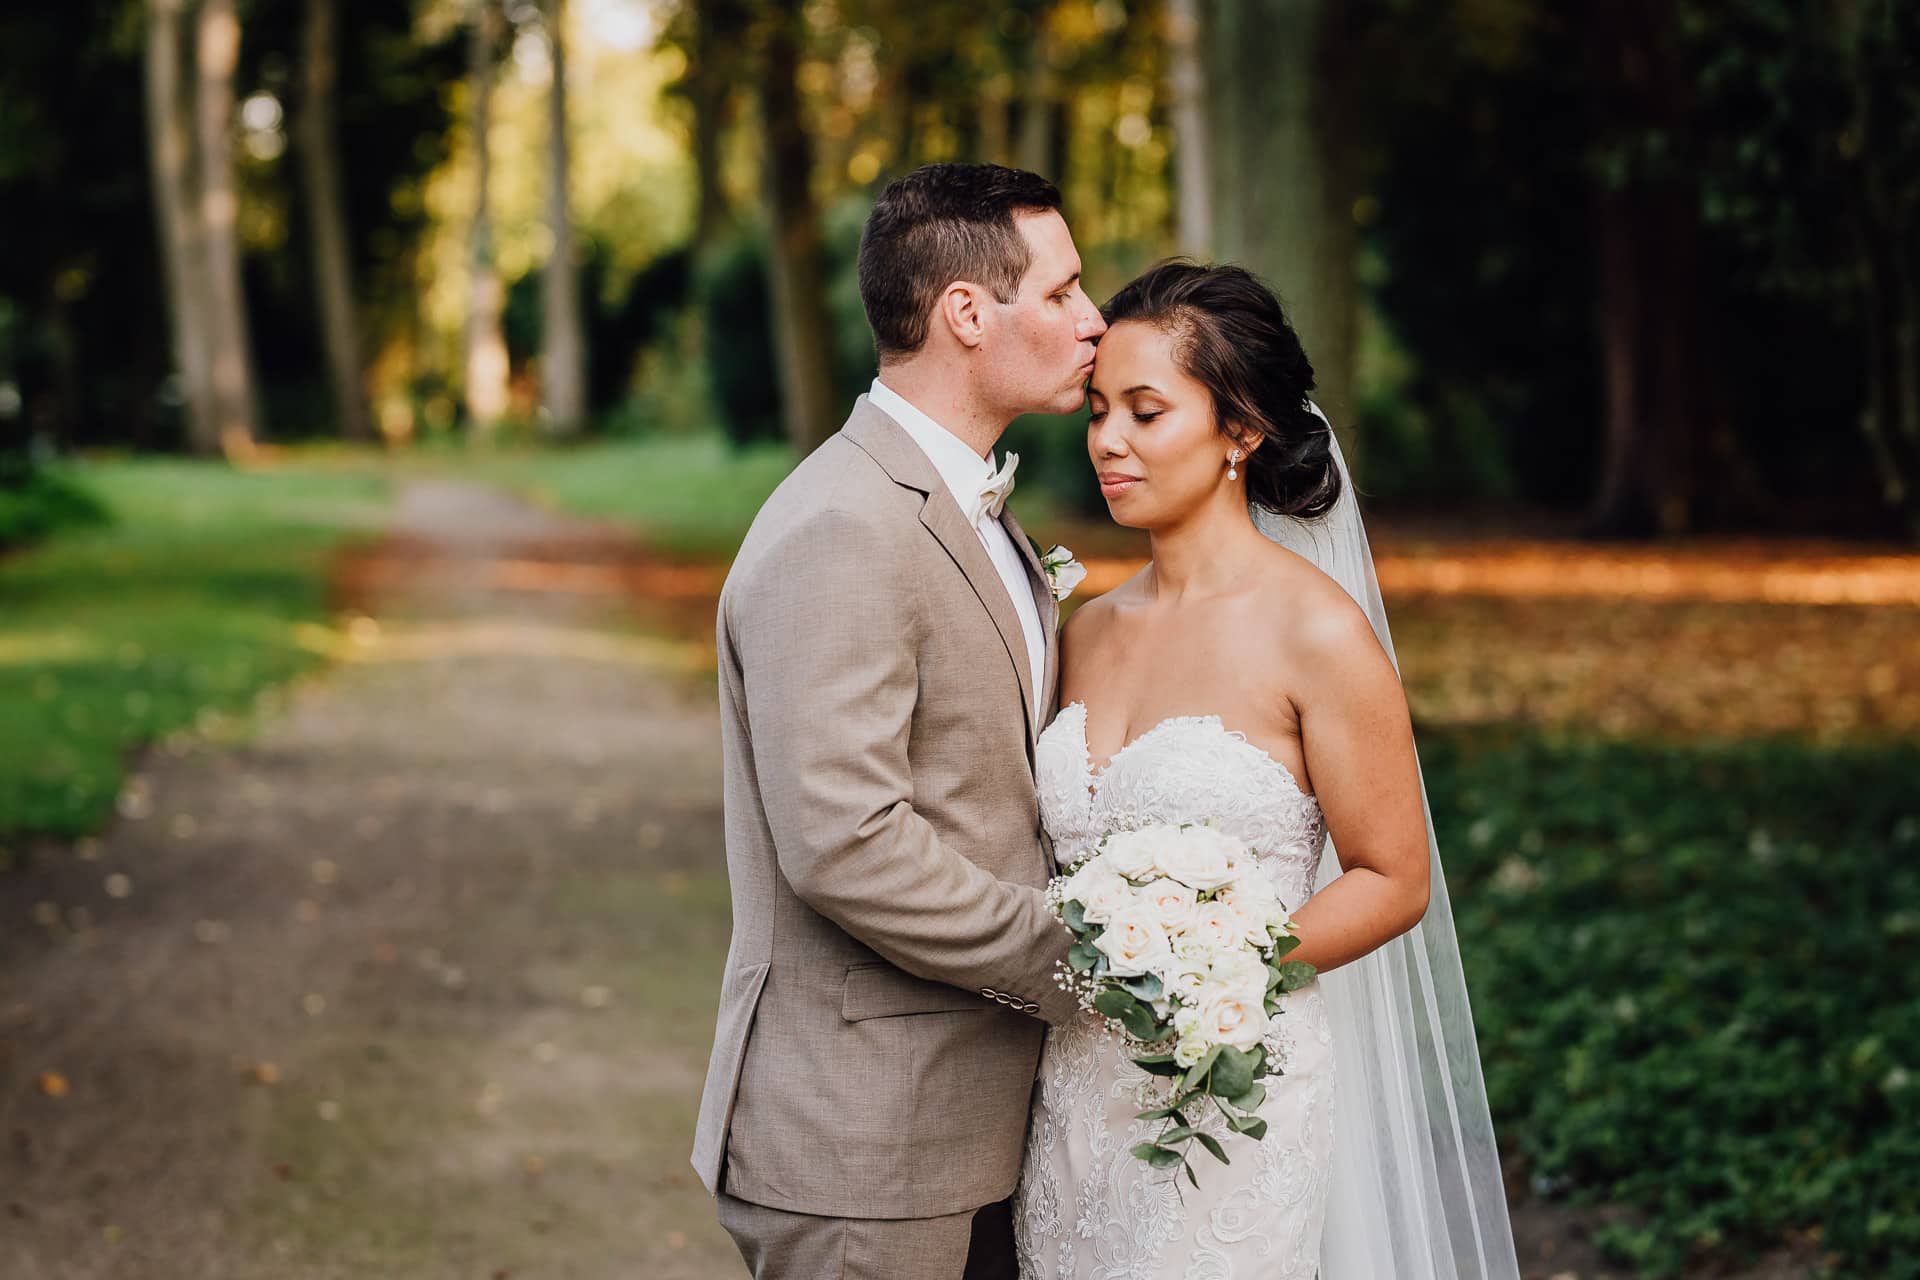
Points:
[[1648, 266], [445, 348]]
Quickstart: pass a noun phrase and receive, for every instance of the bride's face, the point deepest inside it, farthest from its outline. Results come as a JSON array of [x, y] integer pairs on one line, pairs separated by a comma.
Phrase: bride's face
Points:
[[1152, 436]]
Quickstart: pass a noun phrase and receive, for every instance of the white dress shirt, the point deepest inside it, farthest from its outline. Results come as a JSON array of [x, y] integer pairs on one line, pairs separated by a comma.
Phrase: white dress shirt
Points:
[[966, 472]]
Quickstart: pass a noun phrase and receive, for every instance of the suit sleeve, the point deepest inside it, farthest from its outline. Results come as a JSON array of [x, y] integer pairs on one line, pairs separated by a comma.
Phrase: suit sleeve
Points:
[[825, 643]]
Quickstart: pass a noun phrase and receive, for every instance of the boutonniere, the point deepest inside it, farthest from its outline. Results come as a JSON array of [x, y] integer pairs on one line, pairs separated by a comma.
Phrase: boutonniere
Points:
[[1064, 573]]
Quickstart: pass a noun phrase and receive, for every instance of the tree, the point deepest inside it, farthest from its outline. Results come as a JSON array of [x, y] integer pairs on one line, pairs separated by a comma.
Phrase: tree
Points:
[[1648, 275], [797, 283], [485, 341], [235, 403], [563, 359], [1186, 92], [171, 151], [1283, 123], [318, 147]]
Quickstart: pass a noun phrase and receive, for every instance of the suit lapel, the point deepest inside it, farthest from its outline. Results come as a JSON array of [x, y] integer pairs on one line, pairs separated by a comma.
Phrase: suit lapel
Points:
[[1049, 611], [888, 443]]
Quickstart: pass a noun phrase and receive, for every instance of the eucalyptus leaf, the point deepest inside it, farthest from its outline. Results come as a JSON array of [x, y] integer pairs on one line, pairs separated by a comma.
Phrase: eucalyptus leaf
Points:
[[1212, 1144], [1198, 1071], [1251, 1099], [1232, 1073], [1158, 1064], [1295, 974]]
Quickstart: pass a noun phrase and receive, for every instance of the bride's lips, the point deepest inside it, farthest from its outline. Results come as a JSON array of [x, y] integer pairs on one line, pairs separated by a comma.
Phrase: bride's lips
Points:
[[1115, 483]]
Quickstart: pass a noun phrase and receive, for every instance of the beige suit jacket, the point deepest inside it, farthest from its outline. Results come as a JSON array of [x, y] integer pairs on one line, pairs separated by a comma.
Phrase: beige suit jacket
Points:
[[892, 964]]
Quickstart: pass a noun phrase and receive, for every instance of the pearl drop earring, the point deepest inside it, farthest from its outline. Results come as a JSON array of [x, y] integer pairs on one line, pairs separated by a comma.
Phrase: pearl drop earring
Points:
[[1232, 461]]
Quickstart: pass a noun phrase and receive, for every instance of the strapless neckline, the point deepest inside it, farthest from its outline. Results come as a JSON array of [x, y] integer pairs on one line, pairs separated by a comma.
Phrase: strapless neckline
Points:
[[1096, 774]]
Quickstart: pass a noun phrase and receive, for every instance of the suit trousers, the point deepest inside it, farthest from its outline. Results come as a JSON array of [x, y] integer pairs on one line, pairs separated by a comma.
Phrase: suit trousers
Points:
[[779, 1245]]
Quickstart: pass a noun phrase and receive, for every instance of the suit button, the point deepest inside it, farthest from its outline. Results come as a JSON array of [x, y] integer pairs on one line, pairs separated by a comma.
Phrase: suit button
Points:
[[989, 993], [1029, 1008], [1004, 999]]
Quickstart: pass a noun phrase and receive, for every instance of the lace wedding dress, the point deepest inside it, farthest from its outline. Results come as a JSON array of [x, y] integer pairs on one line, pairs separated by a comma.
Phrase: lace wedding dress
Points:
[[1087, 1209]]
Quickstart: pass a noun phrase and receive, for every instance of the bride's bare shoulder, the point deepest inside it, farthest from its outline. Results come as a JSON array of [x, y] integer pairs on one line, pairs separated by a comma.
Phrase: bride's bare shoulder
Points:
[[1089, 620], [1309, 609]]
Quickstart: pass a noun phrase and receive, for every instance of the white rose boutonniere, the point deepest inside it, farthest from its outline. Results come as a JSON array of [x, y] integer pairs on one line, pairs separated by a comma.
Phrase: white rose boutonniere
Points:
[[1064, 573]]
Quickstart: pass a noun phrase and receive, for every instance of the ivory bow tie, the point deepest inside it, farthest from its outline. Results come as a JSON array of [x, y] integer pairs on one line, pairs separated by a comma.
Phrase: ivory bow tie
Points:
[[993, 494]]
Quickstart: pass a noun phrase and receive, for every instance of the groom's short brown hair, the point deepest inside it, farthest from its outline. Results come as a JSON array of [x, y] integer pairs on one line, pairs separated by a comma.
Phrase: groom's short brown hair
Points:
[[938, 224]]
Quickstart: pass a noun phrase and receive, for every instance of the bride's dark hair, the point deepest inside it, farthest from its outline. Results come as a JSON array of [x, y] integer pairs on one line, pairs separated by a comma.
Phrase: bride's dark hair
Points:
[[1231, 336]]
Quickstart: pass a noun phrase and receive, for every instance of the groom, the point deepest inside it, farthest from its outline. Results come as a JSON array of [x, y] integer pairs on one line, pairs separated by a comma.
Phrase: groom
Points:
[[886, 662]]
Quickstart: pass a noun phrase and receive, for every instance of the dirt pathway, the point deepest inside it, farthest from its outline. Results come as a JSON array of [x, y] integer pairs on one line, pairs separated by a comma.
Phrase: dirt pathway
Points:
[[417, 982]]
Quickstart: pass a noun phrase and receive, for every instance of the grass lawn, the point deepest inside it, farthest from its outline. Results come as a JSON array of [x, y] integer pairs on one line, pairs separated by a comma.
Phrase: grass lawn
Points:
[[202, 591], [686, 495]]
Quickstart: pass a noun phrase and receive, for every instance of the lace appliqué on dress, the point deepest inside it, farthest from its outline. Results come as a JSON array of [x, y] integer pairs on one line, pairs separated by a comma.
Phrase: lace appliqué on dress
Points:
[[1086, 1209]]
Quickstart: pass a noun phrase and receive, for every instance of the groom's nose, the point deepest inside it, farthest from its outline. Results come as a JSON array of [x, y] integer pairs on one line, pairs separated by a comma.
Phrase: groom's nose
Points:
[[1091, 325]]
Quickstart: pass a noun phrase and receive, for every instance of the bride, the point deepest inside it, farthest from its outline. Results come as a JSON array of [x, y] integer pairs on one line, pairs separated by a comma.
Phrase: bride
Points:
[[1246, 677]]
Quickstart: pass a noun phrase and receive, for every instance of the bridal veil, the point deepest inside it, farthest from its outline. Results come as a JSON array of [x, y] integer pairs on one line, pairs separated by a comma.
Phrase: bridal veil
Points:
[[1416, 1190]]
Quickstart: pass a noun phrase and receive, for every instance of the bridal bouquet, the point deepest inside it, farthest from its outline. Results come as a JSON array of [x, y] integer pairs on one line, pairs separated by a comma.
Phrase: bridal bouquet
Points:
[[1178, 942]]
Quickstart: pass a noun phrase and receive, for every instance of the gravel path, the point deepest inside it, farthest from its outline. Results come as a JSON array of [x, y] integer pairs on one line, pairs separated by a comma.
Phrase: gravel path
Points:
[[414, 982]]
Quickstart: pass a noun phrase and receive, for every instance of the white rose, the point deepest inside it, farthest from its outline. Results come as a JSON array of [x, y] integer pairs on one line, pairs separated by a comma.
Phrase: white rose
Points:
[[1253, 917], [1131, 853], [1099, 890], [1171, 902], [1217, 927], [1237, 970], [1063, 571], [1133, 943], [1201, 858], [1227, 1016]]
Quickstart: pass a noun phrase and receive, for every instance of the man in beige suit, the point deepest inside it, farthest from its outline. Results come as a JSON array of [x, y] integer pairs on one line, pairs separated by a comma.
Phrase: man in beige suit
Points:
[[886, 662]]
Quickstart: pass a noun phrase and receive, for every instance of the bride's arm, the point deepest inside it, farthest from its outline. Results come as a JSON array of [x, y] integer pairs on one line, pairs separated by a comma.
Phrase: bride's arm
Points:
[[1358, 742]]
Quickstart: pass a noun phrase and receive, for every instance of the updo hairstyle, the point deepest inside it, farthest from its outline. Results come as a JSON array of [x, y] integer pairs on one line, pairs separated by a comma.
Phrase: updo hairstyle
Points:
[[1231, 336]]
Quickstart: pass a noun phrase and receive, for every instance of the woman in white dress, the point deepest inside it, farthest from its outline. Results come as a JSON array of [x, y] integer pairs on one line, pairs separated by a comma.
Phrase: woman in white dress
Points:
[[1238, 681]]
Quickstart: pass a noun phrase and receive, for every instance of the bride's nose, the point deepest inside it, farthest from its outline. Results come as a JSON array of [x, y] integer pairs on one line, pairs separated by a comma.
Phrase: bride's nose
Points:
[[1105, 442]]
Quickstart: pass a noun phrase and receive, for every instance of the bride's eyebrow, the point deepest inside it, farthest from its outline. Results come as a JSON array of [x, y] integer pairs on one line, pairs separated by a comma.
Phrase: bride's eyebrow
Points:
[[1142, 387]]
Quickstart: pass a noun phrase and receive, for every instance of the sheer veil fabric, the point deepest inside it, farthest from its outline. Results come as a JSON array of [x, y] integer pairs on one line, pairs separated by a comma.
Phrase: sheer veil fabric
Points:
[[1416, 1190]]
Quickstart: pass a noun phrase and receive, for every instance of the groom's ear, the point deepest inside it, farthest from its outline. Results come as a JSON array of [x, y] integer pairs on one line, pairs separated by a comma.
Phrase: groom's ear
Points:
[[963, 310]]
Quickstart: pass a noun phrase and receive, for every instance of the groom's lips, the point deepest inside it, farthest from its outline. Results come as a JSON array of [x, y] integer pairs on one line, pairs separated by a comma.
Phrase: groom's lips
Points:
[[1115, 483]]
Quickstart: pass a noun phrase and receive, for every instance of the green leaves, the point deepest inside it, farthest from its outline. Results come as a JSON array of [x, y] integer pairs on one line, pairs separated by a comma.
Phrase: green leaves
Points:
[[1232, 1073], [1158, 1064], [1157, 1156], [1073, 914], [1082, 956], [1295, 974], [1131, 1014]]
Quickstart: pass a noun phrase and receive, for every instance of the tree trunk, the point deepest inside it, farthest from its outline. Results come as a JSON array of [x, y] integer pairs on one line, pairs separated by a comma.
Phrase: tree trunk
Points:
[[1037, 115], [1649, 294], [170, 145], [236, 406], [707, 93], [563, 362], [796, 278], [486, 343], [1186, 88], [1284, 164], [318, 142]]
